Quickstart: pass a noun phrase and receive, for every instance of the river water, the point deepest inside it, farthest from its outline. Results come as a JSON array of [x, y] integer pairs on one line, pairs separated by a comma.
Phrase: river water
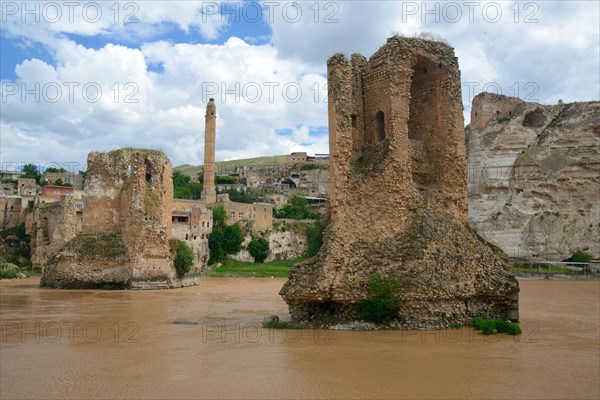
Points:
[[206, 342]]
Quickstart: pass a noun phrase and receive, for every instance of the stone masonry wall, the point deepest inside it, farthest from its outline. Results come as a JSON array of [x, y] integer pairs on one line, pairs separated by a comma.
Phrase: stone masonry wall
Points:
[[126, 226], [398, 196]]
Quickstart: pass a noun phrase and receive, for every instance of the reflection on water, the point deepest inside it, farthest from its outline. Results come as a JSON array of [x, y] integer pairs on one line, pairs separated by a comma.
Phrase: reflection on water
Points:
[[118, 344]]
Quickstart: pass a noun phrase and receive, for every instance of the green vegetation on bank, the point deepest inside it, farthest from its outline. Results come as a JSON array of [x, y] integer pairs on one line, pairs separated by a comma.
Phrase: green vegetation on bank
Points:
[[184, 256], [9, 273], [259, 249], [495, 326], [382, 305], [276, 269], [19, 256], [224, 239]]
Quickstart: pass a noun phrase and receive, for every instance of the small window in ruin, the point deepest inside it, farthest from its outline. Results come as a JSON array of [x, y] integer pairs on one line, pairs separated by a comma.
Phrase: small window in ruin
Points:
[[148, 170], [497, 112], [353, 120], [195, 237], [186, 236], [380, 125], [208, 224]]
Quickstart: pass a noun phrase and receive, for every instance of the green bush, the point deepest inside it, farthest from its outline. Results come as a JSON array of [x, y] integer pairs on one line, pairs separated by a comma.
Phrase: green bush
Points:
[[259, 249], [379, 309], [297, 208], [277, 325], [219, 216], [494, 326], [314, 239], [184, 256], [382, 306], [9, 273], [581, 257]]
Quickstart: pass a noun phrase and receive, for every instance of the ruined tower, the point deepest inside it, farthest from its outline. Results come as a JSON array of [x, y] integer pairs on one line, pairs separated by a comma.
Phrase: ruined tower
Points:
[[127, 213], [398, 196], [209, 194]]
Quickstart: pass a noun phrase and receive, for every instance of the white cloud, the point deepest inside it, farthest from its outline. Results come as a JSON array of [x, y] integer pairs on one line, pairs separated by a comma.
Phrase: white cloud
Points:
[[262, 89], [168, 112]]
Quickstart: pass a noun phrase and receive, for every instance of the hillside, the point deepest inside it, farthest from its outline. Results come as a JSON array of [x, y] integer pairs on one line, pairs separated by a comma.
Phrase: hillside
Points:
[[227, 167]]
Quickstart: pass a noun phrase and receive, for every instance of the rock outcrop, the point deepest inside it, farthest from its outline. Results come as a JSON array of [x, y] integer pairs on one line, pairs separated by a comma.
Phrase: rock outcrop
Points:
[[534, 176], [287, 245], [124, 241], [398, 197]]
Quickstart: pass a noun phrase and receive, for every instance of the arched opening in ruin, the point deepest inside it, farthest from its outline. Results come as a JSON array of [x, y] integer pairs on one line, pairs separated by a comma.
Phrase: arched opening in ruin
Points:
[[535, 118], [148, 166], [380, 126], [426, 124]]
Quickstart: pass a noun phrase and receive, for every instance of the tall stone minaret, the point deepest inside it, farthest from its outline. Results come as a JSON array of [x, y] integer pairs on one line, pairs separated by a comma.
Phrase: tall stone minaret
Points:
[[209, 194]]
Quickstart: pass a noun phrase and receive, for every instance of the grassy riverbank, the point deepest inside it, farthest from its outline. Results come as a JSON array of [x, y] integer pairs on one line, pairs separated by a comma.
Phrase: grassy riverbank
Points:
[[275, 269]]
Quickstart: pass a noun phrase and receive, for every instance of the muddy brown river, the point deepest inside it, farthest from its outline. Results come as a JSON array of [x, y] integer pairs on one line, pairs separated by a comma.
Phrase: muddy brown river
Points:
[[206, 342]]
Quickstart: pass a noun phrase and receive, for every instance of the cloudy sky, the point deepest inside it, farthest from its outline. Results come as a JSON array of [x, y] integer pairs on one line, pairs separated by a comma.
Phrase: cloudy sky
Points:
[[82, 76]]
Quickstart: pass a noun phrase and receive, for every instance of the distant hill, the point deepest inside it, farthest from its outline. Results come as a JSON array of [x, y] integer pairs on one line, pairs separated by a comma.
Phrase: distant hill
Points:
[[227, 167]]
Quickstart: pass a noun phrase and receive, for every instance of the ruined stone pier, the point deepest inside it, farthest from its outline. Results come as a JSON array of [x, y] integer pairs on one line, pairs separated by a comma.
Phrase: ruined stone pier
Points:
[[398, 196], [124, 242]]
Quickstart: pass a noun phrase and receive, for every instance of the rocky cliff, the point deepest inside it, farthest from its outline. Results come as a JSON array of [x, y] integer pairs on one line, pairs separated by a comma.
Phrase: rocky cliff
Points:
[[283, 245], [534, 176]]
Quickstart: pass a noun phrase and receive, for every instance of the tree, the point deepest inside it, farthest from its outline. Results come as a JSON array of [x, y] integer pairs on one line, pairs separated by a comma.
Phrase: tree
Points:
[[184, 256], [31, 172], [297, 208], [215, 240], [182, 193], [223, 241], [223, 179], [196, 190], [180, 180], [233, 239], [219, 216], [55, 170], [259, 249]]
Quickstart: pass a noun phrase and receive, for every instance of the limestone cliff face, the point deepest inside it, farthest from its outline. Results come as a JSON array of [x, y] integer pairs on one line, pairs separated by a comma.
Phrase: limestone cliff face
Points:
[[287, 245], [534, 176], [398, 196]]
